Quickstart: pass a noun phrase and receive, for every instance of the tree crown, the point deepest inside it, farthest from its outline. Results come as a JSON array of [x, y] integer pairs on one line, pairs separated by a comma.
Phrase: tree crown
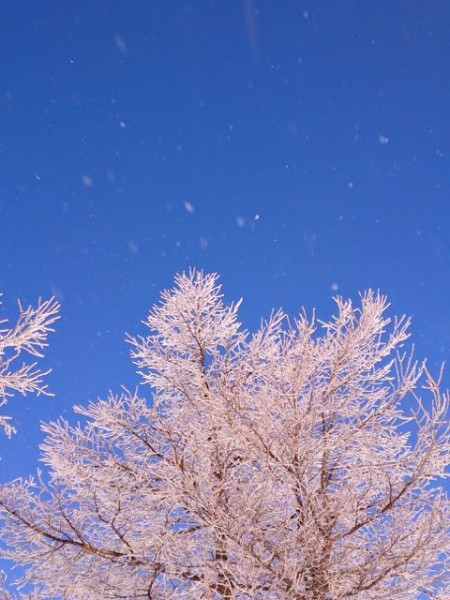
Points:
[[292, 463]]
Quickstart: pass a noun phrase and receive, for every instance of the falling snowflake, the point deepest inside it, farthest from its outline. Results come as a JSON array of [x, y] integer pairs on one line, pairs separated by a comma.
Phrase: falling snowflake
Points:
[[133, 247], [121, 44]]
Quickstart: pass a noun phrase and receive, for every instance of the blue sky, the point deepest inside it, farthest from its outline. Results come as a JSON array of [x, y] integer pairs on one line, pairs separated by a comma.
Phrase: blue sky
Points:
[[299, 149]]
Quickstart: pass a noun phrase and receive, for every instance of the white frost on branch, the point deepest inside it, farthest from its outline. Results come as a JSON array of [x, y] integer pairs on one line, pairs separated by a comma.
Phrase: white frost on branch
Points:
[[29, 336], [303, 462]]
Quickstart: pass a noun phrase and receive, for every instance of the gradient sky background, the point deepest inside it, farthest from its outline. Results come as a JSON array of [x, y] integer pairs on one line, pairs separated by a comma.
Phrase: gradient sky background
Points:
[[300, 149]]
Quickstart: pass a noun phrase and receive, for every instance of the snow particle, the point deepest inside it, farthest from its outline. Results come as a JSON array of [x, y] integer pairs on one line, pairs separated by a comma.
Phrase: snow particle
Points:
[[87, 180], [240, 221], [120, 44], [188, 206], [383, 139], [133, 247]]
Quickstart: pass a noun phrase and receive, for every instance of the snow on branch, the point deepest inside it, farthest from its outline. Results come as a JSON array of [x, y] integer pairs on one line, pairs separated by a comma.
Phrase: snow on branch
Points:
[[305, 461], [28, 335]]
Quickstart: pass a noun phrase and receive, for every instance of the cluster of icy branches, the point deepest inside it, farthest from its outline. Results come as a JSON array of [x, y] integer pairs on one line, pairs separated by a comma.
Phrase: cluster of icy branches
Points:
[[296, 463], [29, 335]]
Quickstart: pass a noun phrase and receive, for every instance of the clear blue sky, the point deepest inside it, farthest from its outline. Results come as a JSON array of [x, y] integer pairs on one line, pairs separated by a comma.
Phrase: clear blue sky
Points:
[[297, 148]]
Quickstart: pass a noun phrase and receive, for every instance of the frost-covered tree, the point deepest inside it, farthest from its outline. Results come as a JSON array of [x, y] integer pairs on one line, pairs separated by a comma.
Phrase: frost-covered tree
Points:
[[294, 463], [27, 336]]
